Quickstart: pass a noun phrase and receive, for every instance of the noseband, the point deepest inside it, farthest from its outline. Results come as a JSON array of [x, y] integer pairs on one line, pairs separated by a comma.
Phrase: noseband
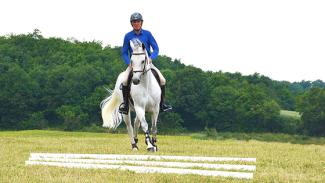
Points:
[[144, 67]]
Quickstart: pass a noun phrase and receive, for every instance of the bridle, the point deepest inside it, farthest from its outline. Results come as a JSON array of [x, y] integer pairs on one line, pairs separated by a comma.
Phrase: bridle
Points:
[[144, 67]]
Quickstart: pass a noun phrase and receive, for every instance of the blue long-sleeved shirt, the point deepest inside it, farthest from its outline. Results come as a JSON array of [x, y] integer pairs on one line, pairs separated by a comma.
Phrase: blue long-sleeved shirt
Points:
[[146, 38]]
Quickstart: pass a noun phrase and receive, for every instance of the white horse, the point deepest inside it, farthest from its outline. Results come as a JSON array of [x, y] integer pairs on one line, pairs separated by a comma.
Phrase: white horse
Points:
[[145, 92]]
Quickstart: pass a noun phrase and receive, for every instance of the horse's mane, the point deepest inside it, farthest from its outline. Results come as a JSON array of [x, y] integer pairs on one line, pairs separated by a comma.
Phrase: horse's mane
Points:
[[138, 45], [136, 42]]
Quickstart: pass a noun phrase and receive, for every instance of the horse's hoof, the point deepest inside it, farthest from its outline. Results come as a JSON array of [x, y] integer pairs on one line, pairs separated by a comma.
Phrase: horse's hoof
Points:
[[135, 147], [152, 149]]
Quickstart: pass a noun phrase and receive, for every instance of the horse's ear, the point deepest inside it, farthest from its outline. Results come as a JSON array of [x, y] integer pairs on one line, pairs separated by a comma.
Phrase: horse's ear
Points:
[[131, 44], [143, 46]]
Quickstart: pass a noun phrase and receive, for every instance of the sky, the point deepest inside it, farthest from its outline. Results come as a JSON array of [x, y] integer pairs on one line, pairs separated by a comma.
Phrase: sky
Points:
[[280, 39]]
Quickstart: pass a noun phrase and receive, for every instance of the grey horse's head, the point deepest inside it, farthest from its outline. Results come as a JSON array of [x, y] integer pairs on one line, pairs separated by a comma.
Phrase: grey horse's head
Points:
[[139, 60]]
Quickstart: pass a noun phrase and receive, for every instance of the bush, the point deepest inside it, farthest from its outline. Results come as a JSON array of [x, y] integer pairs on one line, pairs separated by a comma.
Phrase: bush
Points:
[[290, 125], [170, 123], [72, 116], [94, 128], [35, 121]]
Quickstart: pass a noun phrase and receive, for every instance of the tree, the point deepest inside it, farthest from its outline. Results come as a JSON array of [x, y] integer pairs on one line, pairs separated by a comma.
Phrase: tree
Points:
[[18, 96], [255, 110], [221, 109], [191, 96], [312, 107]]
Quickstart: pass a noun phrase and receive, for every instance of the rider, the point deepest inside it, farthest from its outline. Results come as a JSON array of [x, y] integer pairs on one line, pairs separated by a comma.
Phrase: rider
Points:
[[145, 37]]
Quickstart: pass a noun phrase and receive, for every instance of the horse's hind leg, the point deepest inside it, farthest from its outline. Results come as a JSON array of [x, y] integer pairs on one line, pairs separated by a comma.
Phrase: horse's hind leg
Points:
[[127, 120]]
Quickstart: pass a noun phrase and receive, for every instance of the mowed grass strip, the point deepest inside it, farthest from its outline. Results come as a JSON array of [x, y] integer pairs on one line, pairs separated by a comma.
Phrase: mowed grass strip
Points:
[[276, 161], [292, 114]]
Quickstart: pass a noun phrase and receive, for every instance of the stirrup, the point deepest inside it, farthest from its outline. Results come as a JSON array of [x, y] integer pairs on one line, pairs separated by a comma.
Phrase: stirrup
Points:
[[165, 108], [123, 108]]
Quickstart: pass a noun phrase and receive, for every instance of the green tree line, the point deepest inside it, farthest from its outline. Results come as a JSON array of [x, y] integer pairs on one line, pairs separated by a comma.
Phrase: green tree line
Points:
[[56, 83]]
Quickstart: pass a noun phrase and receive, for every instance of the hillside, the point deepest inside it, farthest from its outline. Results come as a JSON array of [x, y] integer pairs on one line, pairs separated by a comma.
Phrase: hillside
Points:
[[56, 83]]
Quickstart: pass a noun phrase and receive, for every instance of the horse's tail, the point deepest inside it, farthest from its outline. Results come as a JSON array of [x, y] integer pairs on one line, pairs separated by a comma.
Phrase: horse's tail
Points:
[[111, 117]]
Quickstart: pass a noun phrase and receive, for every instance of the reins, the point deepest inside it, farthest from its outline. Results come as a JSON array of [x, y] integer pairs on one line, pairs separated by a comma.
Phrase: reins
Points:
[[144, 67]]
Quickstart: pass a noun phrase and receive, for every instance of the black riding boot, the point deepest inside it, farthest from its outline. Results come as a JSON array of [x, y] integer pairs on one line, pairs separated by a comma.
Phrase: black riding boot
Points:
[[163, 106], [124, 107]]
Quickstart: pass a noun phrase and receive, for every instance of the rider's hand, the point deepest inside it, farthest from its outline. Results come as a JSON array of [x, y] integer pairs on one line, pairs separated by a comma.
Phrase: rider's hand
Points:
[[150, 61], [130, 65]]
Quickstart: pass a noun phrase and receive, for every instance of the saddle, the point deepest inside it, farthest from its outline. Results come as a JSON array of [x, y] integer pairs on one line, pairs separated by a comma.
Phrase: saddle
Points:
[[154, 72]]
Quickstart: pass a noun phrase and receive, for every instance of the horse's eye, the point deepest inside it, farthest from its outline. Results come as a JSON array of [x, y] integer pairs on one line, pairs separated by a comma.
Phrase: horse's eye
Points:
[[142, 62]]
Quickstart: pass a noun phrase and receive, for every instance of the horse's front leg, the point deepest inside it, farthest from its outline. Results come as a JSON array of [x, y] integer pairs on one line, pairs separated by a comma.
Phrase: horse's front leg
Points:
[[141, 116], [154, 119], [127, 120], [136, 129]]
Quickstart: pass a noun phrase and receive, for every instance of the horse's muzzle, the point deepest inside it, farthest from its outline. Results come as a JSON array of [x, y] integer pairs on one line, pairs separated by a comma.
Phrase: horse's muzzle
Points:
[[136, 81]]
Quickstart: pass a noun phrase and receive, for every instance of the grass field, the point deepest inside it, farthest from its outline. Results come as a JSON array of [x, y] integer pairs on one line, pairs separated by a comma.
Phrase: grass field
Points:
[[280, 158], [292, 114]]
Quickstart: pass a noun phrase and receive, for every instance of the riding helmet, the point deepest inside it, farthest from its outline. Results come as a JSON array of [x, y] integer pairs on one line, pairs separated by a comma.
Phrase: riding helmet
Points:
[[136, 16]]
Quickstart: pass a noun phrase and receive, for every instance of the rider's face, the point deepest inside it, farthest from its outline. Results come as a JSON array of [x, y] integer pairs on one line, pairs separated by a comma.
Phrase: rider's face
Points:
[[136, 25]]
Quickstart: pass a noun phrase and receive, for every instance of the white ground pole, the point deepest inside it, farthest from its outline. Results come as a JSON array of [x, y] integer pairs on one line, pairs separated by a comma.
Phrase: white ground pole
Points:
[[140, 157], [143, 169], [149, 163], [110, 161]]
